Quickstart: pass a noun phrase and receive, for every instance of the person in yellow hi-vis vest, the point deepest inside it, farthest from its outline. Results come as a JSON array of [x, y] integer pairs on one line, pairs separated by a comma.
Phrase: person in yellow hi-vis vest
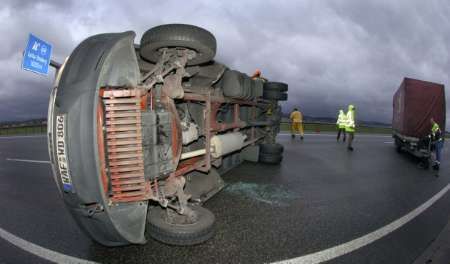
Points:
[[296, 123], [341, 122], [350, 126], [437, 140]]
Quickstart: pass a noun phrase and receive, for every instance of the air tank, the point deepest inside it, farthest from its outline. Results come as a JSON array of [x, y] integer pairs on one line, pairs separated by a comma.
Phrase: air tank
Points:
[[226, 143]]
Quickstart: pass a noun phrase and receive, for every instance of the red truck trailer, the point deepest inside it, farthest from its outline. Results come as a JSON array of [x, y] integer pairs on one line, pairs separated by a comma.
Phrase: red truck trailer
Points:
[[415, 103]]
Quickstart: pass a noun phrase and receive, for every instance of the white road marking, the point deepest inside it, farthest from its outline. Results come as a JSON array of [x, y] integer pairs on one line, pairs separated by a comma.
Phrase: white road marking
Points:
[[39, 251], [27, 160], [12, 137], [318, 257], [342, 249], [389, 142]]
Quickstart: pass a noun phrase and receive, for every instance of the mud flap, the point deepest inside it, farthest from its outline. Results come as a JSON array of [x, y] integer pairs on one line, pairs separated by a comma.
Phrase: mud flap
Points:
[[101, 60], [251, 153]]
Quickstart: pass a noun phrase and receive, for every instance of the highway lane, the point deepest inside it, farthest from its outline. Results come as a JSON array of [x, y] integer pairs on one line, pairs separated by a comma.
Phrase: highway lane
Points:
[[321, 196]]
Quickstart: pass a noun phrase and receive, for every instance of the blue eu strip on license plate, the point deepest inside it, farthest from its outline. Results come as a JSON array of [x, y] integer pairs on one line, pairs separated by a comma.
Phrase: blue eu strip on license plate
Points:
[[67, 187]]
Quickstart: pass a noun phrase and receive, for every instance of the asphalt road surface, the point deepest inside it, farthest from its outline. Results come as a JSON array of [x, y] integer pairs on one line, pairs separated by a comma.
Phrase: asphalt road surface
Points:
[[320, 197]]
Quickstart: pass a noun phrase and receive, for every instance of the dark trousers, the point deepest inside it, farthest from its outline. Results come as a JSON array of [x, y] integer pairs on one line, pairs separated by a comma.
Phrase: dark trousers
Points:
[[438, 147], [351, 136], [341, 130]]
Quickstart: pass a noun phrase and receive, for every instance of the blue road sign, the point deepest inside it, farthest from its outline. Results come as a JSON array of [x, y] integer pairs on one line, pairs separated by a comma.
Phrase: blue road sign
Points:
[[36, 57]]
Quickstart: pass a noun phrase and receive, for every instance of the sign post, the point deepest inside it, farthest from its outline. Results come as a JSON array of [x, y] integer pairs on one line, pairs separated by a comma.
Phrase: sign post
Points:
[[36, 57]]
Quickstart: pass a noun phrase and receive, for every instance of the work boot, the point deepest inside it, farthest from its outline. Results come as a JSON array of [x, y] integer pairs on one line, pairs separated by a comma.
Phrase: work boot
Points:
[[350, 148], [436, 166]]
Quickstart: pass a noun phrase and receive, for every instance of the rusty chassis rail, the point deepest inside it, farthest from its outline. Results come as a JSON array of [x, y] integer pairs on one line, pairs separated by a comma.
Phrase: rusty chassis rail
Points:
[[212, 127]]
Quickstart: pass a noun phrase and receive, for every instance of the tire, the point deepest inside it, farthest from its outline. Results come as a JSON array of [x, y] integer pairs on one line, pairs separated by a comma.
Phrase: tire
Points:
[[398, 146], [276, 86], [270, 158], [180, 234], [179, 35], [274, 95], [271, 148]]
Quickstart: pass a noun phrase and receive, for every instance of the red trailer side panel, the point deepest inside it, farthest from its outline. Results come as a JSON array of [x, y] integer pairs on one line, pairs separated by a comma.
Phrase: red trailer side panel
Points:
[[415, 102], [398, 109]]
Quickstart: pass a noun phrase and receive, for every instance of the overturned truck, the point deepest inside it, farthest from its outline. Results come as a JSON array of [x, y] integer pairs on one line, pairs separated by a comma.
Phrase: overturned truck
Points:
[[139, 135]]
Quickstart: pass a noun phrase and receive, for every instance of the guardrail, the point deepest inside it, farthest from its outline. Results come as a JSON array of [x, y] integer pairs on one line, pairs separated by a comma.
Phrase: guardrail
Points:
[[22, 129], [330, 127], [316, 127]]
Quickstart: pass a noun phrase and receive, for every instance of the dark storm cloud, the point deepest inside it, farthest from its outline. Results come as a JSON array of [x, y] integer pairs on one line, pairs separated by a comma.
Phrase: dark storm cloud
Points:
[[331, 53]]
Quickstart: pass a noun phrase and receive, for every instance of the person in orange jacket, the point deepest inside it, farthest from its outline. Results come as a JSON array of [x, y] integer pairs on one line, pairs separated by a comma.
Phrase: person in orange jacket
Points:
[[258, 75], [296, 118]]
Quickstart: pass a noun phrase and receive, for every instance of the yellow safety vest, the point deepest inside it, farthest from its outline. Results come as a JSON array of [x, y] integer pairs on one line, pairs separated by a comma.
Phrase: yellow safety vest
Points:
[[296, 117], [350, 124], [342, 120]]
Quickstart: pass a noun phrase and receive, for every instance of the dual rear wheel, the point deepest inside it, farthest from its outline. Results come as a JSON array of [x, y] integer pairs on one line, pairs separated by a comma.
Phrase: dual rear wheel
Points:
[[275, 91]]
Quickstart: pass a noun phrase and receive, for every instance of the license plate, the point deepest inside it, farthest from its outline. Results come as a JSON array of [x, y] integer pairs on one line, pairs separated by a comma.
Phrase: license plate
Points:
[[61, 153]]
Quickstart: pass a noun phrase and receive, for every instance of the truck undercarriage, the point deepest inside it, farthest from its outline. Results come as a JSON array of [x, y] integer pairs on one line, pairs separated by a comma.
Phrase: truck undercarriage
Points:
[[419, 148], [139, 134]]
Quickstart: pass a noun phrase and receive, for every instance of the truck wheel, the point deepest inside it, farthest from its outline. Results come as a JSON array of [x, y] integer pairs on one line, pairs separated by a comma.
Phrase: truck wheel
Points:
[[398, 146], [271, 148], [274, 95], [270, 158], [180, 231], [271, 153], [178, 35], [276, 86]]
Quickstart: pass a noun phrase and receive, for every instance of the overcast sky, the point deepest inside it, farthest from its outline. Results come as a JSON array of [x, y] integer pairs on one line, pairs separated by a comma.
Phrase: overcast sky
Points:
[[331, 53]]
